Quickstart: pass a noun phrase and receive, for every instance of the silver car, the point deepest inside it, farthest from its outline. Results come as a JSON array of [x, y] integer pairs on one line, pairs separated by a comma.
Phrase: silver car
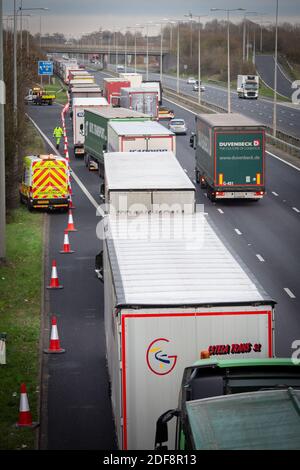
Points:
[[178, 126]]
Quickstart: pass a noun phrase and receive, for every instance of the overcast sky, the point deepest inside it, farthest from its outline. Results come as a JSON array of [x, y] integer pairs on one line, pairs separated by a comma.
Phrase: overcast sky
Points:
[[75, 17]]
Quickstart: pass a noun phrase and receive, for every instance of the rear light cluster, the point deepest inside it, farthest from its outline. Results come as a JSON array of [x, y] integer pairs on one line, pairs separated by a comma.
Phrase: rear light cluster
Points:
[[259, 193], [220, 193]]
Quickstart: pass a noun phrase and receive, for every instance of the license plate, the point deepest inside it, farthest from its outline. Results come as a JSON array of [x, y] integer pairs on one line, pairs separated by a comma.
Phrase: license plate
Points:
[[240, 195], [43, 202], [79, 151]]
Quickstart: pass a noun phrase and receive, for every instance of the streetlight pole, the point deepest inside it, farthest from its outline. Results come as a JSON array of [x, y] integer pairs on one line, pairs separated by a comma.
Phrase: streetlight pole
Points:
[[15, 101], [228, 52], [177, 78], [275, 75], [2, 146]]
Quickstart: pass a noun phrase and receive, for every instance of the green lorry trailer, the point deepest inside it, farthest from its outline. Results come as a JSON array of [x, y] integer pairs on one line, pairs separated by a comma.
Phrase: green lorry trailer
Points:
[[96, 123], [230, 156], [234, 404]]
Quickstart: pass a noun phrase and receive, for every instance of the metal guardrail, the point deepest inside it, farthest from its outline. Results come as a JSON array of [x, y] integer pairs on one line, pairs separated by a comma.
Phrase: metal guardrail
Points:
[[285, 142]]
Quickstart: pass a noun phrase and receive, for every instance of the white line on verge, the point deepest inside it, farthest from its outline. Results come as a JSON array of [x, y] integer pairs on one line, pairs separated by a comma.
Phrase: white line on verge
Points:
[[260, 258], [78, 181], [289, 292]]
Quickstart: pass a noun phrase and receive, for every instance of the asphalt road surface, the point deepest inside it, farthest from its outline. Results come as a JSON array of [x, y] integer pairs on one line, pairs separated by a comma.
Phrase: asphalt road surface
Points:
[[265, 235], [288, 116], [265, 65]]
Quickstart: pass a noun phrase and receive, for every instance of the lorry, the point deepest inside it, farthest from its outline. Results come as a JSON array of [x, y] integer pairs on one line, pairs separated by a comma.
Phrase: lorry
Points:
[[84, 92], [40, 96], [247, 86], [153, 84], [140, 99], [142, 182], [81, 80], [230, 156], [236, 404], [96, 138], [45, 182], [147, 136], [172, 288], [111, 89], [135, 79], [78, 109]]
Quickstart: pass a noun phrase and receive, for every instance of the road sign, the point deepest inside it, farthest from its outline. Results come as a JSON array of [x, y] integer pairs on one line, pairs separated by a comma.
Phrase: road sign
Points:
[[45, 67]]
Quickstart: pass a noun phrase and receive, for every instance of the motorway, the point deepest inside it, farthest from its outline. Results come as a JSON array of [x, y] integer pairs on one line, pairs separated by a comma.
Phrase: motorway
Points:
[[265, 235], [265, 67], [288, 116]]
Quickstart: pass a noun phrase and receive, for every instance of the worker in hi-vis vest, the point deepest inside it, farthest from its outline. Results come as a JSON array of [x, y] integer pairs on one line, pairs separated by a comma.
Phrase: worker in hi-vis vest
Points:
[[58, 133]]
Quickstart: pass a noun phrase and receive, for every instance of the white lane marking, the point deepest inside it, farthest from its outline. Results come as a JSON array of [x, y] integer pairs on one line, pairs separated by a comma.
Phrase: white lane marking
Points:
[[283, 161], [296, 210], [275, 194], [260, 258], [194, 181], [289, 292], [78, 181], [185, 170], [237, 231], [220, 210], [291, 123]]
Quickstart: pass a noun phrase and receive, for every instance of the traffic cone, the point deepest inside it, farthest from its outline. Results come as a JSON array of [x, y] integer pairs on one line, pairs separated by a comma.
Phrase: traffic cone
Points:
[[70, 227], [54, 282], [71, 206], [67, 246], [54, 344], [25, 418]]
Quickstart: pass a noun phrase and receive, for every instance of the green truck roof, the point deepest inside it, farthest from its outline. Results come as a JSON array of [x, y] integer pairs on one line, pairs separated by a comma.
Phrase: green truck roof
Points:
[[249, 421], [228, 120], [223, 363]]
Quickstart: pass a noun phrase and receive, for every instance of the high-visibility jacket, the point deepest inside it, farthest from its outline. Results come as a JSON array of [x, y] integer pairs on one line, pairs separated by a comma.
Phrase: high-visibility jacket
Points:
[[58, 132]]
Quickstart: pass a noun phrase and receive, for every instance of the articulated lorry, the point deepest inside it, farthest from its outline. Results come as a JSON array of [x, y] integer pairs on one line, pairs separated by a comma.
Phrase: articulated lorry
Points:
[[91, 91], [143, 182], [230, 156], [79, 107], [147, 136], [235, 404], [112, 89], [144, 100], [135, 79], [172, 288], [96, 134], [247, 86]]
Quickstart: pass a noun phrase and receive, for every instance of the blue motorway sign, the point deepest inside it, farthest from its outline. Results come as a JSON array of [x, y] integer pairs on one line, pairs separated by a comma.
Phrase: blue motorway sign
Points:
[[45, 67]]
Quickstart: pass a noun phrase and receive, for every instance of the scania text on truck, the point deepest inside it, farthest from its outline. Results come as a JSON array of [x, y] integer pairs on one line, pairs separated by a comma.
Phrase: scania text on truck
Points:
[[78, 110], [172, 289], [143, 182], [206, 422], [230, 156], [149, 136], [45, 182], [247, 86]]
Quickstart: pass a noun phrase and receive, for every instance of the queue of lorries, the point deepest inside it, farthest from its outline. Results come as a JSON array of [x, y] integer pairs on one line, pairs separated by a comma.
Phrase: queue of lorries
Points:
[[174, 290]]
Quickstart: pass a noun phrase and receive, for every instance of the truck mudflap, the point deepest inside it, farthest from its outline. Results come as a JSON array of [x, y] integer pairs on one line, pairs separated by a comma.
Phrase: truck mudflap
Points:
[[51, 204], [79, 151]]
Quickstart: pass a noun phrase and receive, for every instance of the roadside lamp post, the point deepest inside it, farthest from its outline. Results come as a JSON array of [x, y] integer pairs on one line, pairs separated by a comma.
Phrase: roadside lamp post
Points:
[[190, 15], [199, 53], [228, 11], [138, 26], [275, 74], [2, 147]]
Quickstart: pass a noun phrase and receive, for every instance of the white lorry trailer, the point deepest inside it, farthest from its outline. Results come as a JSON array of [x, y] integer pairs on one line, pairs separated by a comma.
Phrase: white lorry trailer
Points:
[[78, 108], [172, 288], [135, 79], [143, 100], [143, 182], [247, 86], [147, 136]]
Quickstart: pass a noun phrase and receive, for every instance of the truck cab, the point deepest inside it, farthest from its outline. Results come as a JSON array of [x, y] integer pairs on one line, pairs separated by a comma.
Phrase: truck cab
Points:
[[247, 86], [211, 378]]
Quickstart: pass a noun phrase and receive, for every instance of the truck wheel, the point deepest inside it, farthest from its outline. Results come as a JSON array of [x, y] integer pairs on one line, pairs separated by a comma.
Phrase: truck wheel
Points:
[[29, 206], [197, 176], [210, 194]]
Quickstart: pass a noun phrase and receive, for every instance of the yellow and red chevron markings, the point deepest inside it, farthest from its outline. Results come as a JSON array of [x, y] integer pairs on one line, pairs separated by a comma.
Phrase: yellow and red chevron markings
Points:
[[49, 181]]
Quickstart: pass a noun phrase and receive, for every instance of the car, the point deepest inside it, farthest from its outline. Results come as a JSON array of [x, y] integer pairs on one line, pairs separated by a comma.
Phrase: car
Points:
[[178, 126], [165, 113], [191, 81], [120, 68], [196, 87]]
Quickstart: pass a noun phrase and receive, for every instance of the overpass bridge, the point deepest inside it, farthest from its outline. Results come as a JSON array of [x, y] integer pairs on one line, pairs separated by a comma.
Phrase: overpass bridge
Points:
[[102, 50]]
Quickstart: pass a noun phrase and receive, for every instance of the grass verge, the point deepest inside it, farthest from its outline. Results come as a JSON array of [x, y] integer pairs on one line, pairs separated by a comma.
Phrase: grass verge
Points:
[[20, 310]]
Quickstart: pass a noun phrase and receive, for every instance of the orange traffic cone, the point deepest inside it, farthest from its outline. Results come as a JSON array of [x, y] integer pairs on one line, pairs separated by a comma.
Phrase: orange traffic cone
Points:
[[25, 418], [54, 344], [71, 227], [54, 282], [67, 246], [71, 206]]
